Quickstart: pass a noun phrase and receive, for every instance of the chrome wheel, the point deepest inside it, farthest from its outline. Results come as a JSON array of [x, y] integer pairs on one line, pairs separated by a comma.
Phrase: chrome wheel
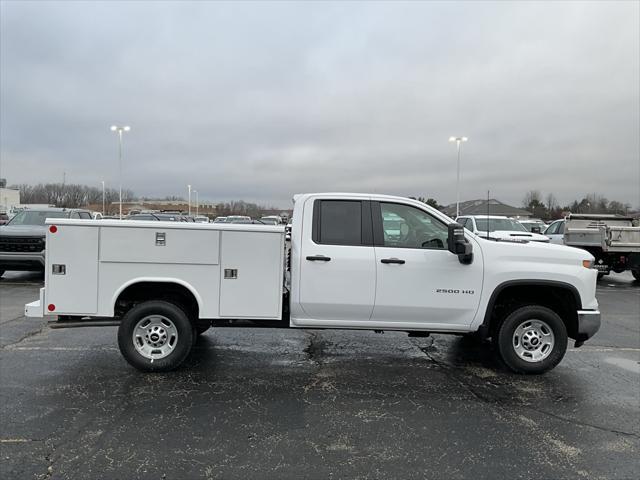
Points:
[[155, 337], [533, 340]]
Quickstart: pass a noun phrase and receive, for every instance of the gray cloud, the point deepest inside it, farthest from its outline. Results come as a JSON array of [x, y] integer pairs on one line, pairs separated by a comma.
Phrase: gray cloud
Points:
[[264, 100]]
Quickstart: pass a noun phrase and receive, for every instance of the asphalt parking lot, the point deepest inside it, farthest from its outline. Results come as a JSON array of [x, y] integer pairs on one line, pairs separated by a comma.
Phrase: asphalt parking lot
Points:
[[262, 404]]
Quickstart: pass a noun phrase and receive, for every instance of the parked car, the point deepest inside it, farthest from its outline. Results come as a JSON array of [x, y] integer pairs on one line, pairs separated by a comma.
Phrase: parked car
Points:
[[499, 228], [201, 219], [533, 225], [22, 239], [238, 219], [555, 232], [270, 220], [157, 217], [220, 220]]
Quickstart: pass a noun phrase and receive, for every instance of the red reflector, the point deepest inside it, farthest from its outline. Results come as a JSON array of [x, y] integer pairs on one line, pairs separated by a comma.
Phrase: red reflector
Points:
[[53, 229], [51, 307]]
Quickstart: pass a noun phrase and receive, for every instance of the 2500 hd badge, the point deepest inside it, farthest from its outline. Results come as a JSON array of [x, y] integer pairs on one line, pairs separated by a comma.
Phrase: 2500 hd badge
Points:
[[452, 290]]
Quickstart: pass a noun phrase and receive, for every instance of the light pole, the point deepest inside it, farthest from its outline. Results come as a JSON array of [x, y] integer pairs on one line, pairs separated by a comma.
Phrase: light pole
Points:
[[189, 187], [458, 141], [103, 198], [120, 130], [197, 201]]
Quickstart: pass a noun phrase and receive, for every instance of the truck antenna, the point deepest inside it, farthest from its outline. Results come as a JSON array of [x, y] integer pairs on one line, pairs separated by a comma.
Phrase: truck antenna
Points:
[[488, 192]]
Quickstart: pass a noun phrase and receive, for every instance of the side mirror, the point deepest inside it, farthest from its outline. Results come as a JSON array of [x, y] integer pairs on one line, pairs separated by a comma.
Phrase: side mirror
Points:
[[535, 230], [458, 244]]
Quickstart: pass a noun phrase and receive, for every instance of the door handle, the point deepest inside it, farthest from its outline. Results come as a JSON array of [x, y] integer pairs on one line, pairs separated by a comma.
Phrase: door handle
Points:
[[318, 258], [392, 260]]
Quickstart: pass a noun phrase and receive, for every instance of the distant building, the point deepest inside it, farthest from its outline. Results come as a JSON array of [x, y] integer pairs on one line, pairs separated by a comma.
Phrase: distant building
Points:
[[480, 207], [9, 198]]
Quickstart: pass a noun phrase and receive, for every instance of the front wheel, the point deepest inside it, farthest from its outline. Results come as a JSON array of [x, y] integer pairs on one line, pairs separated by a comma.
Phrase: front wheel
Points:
[[636, 274], [155, 336], [532, 339]]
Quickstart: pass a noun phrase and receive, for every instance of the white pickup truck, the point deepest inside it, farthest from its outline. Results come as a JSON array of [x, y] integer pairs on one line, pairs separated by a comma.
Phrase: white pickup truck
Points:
[[349, 261]]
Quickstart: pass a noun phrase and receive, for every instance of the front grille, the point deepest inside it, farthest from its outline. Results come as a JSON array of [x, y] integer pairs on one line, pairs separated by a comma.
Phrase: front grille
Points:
[[21, 244]]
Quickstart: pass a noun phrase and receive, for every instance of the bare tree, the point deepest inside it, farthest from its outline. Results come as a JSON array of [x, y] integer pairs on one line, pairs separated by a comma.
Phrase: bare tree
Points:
[[531, 197], [551, 202]]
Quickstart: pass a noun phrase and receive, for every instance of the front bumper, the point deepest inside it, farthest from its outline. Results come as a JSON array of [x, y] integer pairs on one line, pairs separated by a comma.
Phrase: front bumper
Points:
[[588, 324], [22, 261]]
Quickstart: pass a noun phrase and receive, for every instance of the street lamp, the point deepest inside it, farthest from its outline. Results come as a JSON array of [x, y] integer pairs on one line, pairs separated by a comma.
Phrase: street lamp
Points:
[[120, 130], [103, 198], [189, 187], [458, 141], [197, 202]]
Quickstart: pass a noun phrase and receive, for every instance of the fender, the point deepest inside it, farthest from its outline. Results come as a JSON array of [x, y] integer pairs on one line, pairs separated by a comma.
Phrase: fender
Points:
[[484, 327], [133, 281]]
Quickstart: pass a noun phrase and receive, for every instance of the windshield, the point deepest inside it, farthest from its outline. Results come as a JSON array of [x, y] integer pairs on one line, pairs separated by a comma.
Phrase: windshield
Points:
[[501, 224], [32, 217]]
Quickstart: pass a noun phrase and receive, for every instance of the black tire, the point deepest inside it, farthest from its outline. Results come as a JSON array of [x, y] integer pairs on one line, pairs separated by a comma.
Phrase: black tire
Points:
[[636, 274], [600, 275], [1, 272], [505, 339], [181, 324]]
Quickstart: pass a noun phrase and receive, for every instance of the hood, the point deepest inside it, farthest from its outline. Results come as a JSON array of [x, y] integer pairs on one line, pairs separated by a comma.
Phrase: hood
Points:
[[535, 251], [23, 230], [510, 235]]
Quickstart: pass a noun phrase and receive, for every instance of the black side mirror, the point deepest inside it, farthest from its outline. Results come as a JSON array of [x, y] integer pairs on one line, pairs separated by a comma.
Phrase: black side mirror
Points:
[[458, 244]]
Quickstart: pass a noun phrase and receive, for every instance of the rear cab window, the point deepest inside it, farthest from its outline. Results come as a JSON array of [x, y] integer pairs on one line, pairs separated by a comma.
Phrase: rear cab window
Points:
[[342, 222]]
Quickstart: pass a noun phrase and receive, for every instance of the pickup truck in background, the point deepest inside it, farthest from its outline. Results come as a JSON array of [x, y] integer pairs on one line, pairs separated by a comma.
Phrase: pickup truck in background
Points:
[[22, 239], [349, 261], [500, 228], [611, 239]]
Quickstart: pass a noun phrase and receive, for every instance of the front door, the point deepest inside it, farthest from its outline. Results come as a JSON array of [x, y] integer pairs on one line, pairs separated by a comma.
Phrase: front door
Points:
[[337, 271], [419, 282]]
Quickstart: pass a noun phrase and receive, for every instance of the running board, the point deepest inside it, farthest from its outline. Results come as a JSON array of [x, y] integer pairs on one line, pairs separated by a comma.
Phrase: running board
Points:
[[84, 323]]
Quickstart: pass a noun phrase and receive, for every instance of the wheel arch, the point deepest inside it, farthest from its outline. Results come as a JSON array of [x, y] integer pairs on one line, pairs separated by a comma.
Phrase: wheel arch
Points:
[[563, 298], [158, 288]]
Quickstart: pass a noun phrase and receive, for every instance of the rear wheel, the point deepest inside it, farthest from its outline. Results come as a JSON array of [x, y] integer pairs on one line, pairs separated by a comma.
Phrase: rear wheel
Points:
[[636, 274], [155, 336], [532, 339]]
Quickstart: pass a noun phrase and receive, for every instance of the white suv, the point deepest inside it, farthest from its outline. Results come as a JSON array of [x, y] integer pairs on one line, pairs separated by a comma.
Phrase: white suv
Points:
[[499, 228]]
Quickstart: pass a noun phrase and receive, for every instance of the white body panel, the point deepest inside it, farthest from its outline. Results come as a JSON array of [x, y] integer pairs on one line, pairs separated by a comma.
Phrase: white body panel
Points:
[[417, 291], [75, 292], [256, 292], [103, 258], [340, 290]]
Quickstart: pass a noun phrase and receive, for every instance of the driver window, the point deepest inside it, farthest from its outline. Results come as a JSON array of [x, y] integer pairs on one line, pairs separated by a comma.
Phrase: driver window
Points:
[[409, 227]]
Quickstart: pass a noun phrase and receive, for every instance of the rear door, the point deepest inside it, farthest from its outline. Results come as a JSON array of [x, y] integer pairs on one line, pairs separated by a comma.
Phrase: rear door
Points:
[[420, 284], [337, 273]]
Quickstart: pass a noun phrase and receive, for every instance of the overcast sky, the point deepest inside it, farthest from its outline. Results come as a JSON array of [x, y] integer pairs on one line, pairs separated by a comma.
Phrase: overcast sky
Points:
[[263, 100]]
